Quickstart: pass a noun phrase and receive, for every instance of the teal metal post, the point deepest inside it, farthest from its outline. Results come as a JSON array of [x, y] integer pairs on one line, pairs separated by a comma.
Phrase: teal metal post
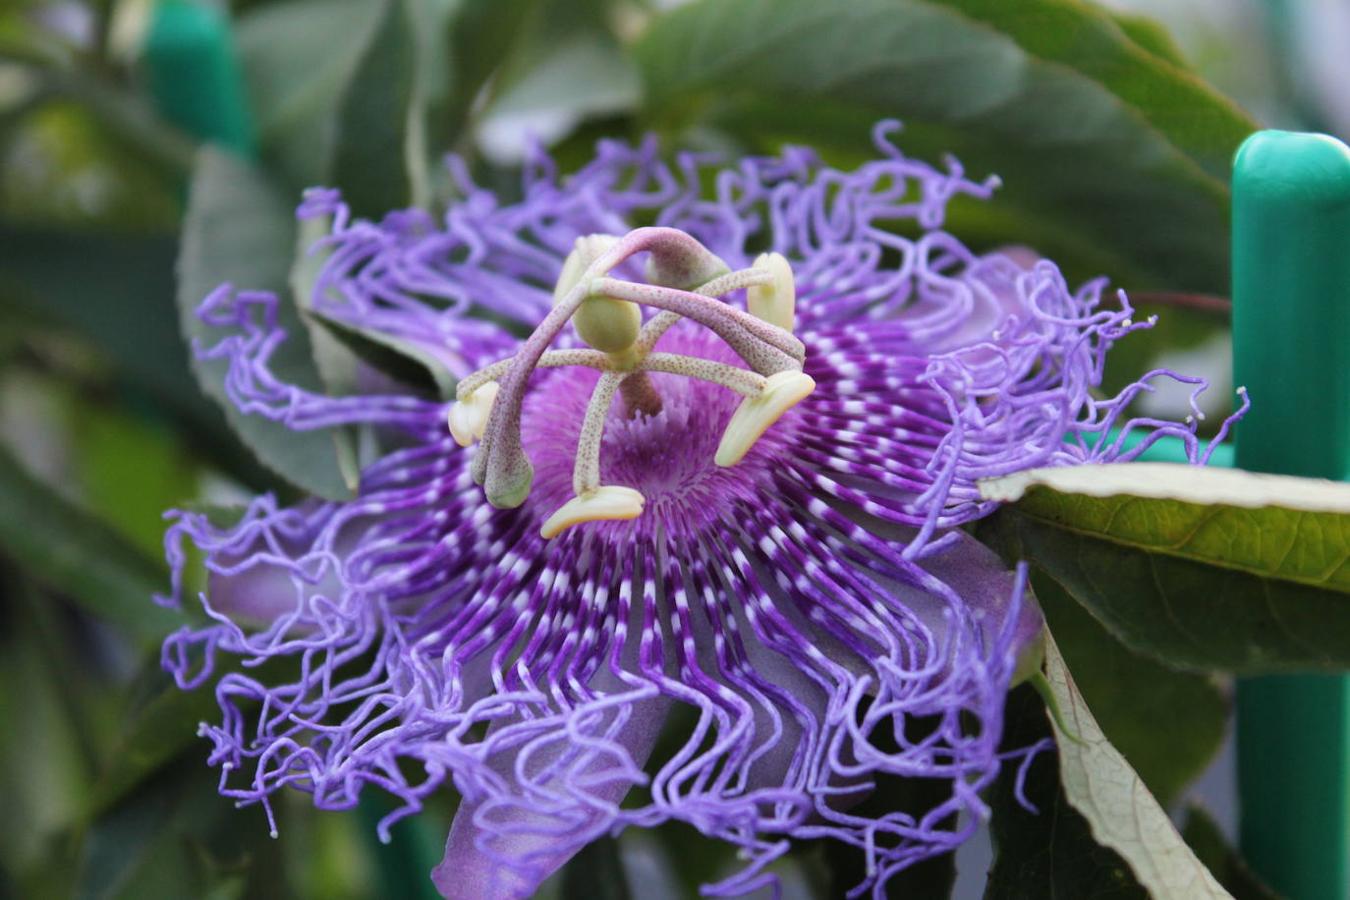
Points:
[[1291, 349], [193, 75]]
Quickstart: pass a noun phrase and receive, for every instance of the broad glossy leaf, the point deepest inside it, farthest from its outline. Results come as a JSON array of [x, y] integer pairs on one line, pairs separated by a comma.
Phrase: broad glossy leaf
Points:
[[1121, 813], [1101, 142], [1202, 833], [1197, 567], [71, 551], [1136, 700], [239, 231]]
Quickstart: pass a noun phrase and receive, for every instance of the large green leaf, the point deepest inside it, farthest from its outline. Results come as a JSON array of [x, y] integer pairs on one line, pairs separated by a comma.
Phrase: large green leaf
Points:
[[238, 231], [1122, 815], [1136, 699], [71, 551], [1102, 142], [1197, 567]]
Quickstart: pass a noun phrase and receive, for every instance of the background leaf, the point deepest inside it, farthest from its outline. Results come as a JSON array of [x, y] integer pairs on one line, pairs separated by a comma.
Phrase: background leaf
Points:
[[1197, 567], [69, 550], [1135, 699], [1202, 833], [238, 231], [1098, 140], [1049, 852], [372, 163], [1122, 814]]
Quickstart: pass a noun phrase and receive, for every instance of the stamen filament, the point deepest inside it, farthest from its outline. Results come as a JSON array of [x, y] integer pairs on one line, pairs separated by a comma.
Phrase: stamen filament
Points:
[[742, 381], [553, 359], [586, 469], [728, 323]]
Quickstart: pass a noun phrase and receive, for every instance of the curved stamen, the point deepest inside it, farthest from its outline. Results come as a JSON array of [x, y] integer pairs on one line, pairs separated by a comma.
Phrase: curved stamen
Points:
[[501, 465], [748, 335], [742, 381], [688, 282]]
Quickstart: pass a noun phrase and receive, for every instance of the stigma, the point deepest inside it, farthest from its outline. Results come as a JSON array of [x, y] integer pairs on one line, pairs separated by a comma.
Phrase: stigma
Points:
[[620, 323]]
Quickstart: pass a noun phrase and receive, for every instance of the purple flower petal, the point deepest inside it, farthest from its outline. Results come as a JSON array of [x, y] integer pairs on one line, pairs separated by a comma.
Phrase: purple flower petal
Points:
[[812, 618]]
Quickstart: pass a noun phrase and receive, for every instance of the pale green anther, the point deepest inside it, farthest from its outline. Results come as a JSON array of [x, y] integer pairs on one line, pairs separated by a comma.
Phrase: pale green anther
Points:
[[776, 301]]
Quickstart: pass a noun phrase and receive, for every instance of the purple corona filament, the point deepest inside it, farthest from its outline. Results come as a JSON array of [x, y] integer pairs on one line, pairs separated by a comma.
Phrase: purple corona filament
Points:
[[811, 606]]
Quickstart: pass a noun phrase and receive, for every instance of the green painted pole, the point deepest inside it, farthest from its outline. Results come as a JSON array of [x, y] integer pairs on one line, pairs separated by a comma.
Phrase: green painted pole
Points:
[[194, 77], [1291, 349]]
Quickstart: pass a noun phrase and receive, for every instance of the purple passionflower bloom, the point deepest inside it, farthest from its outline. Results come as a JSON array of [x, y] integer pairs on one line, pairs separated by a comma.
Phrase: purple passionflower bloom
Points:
[[520, 618]]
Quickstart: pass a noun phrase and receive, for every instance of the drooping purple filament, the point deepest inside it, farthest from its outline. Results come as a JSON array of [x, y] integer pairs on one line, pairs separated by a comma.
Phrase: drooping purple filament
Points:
[[815, 609]]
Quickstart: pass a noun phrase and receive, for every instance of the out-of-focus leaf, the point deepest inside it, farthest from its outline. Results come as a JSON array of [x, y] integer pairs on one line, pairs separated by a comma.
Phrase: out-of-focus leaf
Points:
[[570, 66], [481, 36], [1197, 567], [1136, 699], [154, 736], [238, 231], [1151, 35], [298, 58], [596, 873], [70, 551], [1122, 815], [115, 290], [1049, 852], [43, 768], [1203, 836], [177, 837], [371, 163], [1095, 136]]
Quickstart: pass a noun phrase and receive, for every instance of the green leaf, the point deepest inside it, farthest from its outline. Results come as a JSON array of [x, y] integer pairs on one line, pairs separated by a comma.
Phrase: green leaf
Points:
[[1136, 699], [238, 231], [1049, 852], [1100, 142], [1122, 815], [298, 58], [177, 837], [1151, 35], [1197, 567], [1212, 848], [371, 163], [164, 726], [596, 873], [72, 552], [119, 297]]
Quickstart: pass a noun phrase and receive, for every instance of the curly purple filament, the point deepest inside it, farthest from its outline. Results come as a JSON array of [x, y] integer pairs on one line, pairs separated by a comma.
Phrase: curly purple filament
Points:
[[802, 604]]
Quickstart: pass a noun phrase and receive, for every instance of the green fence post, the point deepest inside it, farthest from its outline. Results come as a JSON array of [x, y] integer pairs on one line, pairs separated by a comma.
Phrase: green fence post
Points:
[[193, 75], [1291, 349]]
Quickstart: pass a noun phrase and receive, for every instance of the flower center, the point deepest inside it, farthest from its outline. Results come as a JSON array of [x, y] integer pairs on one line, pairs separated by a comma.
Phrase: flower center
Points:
[[685, 281], [668, 457]]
